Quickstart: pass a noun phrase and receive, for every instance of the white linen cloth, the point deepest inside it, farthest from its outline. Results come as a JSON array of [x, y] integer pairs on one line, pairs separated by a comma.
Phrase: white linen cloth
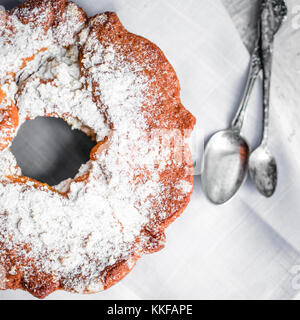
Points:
[[248, 248]]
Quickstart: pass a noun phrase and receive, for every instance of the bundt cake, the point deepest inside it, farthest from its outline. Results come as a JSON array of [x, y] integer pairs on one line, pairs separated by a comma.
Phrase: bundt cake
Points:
[[87, 233]]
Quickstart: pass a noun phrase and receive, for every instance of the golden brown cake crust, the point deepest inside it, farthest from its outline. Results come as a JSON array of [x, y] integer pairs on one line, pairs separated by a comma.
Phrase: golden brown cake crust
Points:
[[163, 113]]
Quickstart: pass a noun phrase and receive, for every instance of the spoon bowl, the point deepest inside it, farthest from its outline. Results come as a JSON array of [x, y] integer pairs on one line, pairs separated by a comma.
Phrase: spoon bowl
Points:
[[263, 171], [225, 165]]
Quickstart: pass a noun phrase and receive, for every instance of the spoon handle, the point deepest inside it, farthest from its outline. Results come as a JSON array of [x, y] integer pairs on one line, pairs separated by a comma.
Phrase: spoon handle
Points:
[[267, 40], [273, 13], [255, 67]]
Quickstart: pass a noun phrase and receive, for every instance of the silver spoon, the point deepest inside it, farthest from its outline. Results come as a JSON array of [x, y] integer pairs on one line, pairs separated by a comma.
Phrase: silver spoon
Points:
[[227, 152], [262, 165]]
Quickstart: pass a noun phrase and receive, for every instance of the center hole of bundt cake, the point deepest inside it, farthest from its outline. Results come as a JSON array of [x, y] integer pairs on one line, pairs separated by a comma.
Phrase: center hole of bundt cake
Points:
[[48, 150]]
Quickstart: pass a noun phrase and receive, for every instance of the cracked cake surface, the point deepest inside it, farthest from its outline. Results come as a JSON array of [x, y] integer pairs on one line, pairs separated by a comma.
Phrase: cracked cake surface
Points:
[[87, 233]]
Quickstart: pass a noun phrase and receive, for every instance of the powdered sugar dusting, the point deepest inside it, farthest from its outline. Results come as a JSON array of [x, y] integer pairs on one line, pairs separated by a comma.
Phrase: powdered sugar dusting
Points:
[[57, 89], [70, 25]]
